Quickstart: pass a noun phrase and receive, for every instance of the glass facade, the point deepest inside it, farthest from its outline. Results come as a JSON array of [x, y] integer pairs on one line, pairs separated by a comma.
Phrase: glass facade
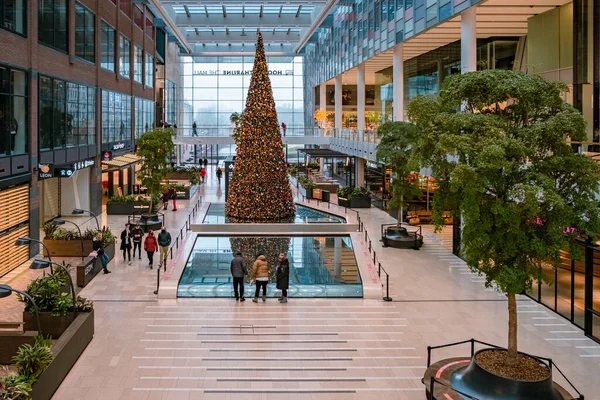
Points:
[[144, 116], [216, 87], [85, 33], [13, 14], [67, 114], [107, 47], [125, 57], [13, 111], [116, 117], [52, 23], [138, 60], [170, 102]]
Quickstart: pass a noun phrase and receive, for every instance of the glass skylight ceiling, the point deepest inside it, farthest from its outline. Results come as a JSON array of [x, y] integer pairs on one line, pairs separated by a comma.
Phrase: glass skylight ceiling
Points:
[[244, 9]]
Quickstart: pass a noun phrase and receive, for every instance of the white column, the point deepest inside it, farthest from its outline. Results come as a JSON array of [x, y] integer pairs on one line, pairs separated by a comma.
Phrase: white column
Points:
[[323, 96], [468, 40], [338, 102], [398, 76], [360, 88]]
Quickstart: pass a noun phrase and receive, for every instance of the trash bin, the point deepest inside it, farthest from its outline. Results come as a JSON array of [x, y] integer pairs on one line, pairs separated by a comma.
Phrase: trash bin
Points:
[[325, 196]]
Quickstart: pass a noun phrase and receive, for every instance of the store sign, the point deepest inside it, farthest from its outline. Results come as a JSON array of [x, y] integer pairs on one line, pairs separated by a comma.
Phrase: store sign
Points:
[[241, 72], [118, 146], [45, 171], [107, 155], [64, 172], [83, 164]]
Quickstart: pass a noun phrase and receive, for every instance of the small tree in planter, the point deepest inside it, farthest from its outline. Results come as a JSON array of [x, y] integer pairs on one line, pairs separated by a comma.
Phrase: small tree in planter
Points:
[[154, 147], [395, 150], [354, 197], [524, 194]]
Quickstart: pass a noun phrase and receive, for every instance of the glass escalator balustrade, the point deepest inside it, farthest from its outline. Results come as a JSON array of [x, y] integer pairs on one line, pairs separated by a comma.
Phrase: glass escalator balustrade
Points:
[[319, 266], [304, 215]]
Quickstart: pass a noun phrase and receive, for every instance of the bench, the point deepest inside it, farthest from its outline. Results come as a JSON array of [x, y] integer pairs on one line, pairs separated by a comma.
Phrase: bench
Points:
[[424, 217]]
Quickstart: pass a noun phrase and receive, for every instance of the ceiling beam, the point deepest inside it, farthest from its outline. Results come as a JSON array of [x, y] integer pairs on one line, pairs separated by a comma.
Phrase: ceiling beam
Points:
[[248, 37], [201, 20], [299, 9], [224, 12], [200, 49], [237, 2], [187, 10]]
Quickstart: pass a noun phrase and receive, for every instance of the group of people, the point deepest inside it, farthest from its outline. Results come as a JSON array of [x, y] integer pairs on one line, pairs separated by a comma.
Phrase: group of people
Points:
[[169, 194], [152, 243], [219, 173], [133, 237], [259, 275]]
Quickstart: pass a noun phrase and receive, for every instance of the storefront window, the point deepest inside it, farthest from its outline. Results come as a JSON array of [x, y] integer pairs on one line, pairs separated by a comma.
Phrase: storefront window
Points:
[[67, 113], [116, 117], [13, 112], [12, 15]]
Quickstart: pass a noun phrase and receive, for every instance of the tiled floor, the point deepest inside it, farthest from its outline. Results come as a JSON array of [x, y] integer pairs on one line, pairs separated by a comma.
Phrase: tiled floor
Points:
[[309, 348]]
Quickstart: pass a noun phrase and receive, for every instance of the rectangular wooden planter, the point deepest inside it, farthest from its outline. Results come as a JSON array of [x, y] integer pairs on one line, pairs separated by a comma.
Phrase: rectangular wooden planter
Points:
[[125, 208], [10, 343], [51, 325], [90, 267], [178, 176], [66, 351], [67, 248]]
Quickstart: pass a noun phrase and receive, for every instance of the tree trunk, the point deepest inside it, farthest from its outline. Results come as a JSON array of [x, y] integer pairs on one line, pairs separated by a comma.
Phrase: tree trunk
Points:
[[512, 329], [151, 198], [400, 213]]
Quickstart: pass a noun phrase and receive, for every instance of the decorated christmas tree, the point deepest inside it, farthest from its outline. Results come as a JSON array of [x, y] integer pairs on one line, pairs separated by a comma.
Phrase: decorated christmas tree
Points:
[[259, 189]]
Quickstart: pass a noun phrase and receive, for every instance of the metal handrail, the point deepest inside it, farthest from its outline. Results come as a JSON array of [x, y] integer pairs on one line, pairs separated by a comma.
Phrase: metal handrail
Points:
[[475, 341]]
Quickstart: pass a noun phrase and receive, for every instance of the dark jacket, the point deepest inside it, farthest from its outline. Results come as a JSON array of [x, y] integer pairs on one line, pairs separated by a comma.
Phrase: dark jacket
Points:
[[97, 246], [238, 268], [125, 235], [219, 173], [164, 238], [283, 274], [173, 194], [137, 232]]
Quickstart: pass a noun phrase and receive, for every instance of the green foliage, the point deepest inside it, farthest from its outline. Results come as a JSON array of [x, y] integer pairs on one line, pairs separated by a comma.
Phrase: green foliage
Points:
[[128, 199], [47, 292], [15, 387], [306, 183], [292, 170], [521, 191], [395, 150], [314, 165], [53, 232], [33, 360], [154, 147], [194, 179], [236, 120], [349, 192], [178, 187]]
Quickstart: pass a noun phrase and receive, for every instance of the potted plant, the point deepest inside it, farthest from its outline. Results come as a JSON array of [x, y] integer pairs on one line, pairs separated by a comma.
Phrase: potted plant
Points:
[[308, 186], [395, 150], [154, 147], [353, 197], [236, 121], [59, 241], [521, 192], [126, 205], [55, 305]]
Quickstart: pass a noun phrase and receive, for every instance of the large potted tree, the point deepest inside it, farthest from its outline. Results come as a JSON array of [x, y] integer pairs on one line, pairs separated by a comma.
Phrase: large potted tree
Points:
[[154, 148], [497, 141]]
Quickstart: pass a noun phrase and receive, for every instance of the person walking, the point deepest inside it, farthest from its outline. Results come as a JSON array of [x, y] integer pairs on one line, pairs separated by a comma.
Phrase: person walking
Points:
[[283, 128], [164, 241], [283, 277], [219, 174], [173, 196], [238, 271], [165, 198], [194, 131], [137, 235], [203, 175], [150, 246], [205, 162], [126, 244], [260, 275], [99, 249]]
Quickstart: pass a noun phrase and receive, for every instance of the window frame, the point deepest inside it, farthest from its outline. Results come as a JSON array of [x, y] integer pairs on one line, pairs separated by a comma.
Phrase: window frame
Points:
[[54, 30], [24, 22], [146, 64], [103, 23], [124, 39], [86, 44], [141, 54]]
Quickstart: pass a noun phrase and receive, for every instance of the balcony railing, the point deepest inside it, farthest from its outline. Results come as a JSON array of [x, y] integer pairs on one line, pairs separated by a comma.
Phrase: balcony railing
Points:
[[224, 132], [367, 136]]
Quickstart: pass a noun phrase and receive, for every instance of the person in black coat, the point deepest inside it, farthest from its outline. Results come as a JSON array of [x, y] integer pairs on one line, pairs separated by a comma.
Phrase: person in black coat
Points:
[[283, 277], [238, 271], [126, 238]]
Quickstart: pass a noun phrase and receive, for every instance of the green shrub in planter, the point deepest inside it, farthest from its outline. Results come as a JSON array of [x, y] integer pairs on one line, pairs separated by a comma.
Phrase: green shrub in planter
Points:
[[350, 192], [33, 360], [15, 387], [314, 165]]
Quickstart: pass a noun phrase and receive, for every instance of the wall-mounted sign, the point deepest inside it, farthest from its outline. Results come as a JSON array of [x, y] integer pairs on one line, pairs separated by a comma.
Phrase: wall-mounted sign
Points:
[[83, 164], [107, 155], [241, 72], [118, 146], [45, 171], [63, 172]]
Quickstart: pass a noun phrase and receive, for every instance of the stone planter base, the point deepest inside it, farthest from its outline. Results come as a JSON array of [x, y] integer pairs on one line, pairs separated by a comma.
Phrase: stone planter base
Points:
[[66, 351], [90, 267], [67, 248], [51, 325], [355, 202], [125, 208]]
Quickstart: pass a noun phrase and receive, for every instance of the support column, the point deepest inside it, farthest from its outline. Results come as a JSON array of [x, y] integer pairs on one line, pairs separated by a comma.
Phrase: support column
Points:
[[338, 102], [468, 40], [398, 77], [337, 258], [360, 87], [360, 172], [323, 96]]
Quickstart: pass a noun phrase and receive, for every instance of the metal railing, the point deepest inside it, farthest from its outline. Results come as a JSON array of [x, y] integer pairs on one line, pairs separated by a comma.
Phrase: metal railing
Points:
[[378, 263], [433, 381], [417, 233], [367, 135], [187, 131], [183, 232]]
